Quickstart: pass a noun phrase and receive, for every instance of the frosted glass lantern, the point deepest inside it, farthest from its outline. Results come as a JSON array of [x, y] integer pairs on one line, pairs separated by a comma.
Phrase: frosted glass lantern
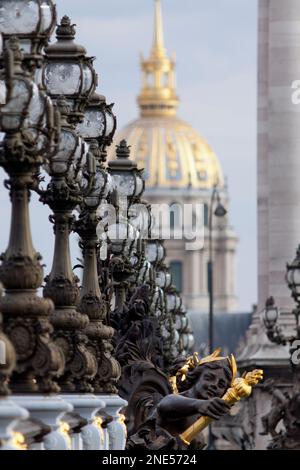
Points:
[[270, 313], [155, 251], [127, 178], [68, 146], [95, 196], [98, 122], [3, 92], [67, 71], [171, 302], [32, 21], [14, 112], [161, 279], [110, 123], [92, 126]]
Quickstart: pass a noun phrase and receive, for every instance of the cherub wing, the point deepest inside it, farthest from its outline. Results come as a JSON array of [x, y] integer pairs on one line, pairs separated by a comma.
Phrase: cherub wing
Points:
[[143, 383]]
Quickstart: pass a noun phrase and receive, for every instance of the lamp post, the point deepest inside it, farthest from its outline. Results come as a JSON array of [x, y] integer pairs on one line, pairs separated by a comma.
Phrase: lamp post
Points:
[[97, 130], [69, 78], [271, 313], [128, 187], [289, 405], [219, 211], [27, 119]]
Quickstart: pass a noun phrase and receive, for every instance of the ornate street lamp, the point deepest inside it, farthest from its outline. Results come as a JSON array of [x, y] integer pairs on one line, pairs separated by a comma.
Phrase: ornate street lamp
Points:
[[128, 187], [271, 313], [32, 21], [67, 71], [218, 211], [270, 316], [99, 123], [72, 178], [127, 178], [69, 78], [293, 277], [28, 123], [92, 303]]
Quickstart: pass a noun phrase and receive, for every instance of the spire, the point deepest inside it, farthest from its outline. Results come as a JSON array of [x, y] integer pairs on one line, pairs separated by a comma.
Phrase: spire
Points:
[[158, 40], [158, 95]]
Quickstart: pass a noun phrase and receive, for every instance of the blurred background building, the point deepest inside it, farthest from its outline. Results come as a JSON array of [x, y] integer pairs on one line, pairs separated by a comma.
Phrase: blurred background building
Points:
[[181, 168]]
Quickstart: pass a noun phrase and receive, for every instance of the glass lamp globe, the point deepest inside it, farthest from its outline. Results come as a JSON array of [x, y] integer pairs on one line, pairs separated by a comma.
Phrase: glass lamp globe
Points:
[[168, 279], [161, 278], [97, 193], [220, 210], [190, 341], [3, 92], [184, 322], [141, 218], [124, 184], [160, 252], [93, 124], [32, 21], [14, 111], [270, 313], [176, 337], [178, 322], [165, 332], [110, 123], [70, 147], [120, 234], [171, 302], [24, 106], [178, 301], [152, 251], [155, 251], [185, 341]]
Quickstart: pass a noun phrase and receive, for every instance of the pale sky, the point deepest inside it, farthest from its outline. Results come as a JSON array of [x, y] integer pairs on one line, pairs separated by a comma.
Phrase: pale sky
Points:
[[215, 44]]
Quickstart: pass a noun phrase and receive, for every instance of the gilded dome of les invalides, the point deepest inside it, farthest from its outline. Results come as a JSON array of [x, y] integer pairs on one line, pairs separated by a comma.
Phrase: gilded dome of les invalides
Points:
[[172, 153]]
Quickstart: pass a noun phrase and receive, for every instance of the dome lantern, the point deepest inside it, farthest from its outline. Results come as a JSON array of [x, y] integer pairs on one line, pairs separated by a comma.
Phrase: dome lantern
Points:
[[158, 95]]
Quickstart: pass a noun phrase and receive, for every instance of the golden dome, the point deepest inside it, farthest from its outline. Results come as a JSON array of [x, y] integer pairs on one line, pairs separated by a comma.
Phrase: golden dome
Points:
[[172, 153]]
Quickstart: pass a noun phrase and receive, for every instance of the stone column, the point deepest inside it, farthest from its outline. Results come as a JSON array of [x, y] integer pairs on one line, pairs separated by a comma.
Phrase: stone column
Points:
[[10, 414], [262, 154], [116, 428], [283, 145], [278, 195], [87, 405], [50, 410]]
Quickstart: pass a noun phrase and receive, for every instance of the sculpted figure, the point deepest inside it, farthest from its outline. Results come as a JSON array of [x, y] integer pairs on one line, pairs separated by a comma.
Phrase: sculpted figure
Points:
[[285, 409], [168, 409], [200, 394]]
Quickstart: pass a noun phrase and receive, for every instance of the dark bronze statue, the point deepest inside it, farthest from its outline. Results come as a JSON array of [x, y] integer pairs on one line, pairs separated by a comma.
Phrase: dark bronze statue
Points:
[[167, 410], [285, 409], [199, 395]]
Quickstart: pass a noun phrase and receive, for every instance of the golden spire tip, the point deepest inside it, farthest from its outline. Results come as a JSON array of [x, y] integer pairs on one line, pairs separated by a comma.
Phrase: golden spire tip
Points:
[[158, 43]]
